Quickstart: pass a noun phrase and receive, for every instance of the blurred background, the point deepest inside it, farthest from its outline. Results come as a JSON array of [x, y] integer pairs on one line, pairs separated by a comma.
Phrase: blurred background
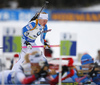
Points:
[[78, 20], [61, 4]]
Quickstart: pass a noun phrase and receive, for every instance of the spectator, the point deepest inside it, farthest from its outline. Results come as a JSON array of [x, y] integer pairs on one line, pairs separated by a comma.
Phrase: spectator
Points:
[[14, 60]]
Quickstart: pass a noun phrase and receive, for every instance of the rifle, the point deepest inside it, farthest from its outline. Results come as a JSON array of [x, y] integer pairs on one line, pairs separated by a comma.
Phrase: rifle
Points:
[[37, 14], [92, 73]]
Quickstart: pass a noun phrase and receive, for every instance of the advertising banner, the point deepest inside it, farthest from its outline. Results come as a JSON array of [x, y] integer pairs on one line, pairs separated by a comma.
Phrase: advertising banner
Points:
[[18, 14], [74, 15]]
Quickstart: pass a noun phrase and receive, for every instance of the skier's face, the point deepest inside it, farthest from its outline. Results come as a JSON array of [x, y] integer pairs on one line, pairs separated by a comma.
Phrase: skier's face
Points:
[[43, 22], [87, 67], [35, 67]]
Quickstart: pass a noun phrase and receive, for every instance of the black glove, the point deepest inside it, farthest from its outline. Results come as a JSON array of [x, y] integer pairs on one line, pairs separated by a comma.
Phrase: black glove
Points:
[[35, 17], [64, 69], [46, 45], [88, 82], [41, 74], [93, 73], [29, 46]]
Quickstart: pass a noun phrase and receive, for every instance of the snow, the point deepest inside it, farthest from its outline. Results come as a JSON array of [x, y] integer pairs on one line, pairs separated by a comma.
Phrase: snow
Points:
[[87, 35]]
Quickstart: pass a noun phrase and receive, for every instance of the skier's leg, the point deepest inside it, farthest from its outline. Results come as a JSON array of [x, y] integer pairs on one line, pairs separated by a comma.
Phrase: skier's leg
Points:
[[16, 66]]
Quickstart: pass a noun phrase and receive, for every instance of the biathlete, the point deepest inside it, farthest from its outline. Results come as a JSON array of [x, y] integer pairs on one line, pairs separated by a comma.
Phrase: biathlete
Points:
[[30, 32], [34, 64]]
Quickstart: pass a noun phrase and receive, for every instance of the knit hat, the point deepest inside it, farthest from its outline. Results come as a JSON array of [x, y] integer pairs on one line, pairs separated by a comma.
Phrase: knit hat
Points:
[[86, 59], [16, 55], [38, 58]]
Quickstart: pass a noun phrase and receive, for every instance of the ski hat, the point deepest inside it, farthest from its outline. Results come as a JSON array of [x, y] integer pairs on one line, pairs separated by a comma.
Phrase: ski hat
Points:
[[43, 16], [86, 59], [16, 55], [38, 58]]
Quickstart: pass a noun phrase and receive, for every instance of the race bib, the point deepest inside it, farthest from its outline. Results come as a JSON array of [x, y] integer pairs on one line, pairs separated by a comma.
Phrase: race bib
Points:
[[33, 34]]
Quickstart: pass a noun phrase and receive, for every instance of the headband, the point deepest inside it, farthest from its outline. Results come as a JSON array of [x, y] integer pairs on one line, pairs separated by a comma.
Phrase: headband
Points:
[[43, 16]]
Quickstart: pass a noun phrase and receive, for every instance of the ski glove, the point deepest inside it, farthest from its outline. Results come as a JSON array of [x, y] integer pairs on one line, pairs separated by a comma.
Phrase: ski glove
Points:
[[34, 77], [46, 45], [29, 46], [64, 69], [41, 74]]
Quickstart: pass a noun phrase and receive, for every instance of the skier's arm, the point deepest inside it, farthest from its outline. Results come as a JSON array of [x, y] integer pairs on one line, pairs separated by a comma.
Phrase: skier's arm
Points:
[[34, 77], [43, 35], [71, 61], [55, 81], [29, 26], [28, 80], [26, 33]]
